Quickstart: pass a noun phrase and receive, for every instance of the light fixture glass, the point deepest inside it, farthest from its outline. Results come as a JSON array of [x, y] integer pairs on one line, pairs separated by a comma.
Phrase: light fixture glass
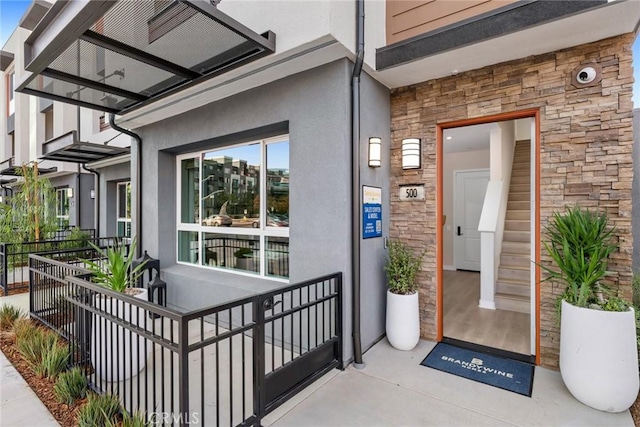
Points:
[[69, 193], [411, 153], [375, 152], [92, 194]]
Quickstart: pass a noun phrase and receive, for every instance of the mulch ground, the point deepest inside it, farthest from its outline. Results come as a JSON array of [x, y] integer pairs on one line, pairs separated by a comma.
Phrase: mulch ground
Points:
[[635, 412], [14, 291], [43, 388]]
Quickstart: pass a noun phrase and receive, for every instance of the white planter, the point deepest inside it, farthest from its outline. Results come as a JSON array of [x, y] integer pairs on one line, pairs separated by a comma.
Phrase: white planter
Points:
[[116, 354], [403, 320], [599, 357]]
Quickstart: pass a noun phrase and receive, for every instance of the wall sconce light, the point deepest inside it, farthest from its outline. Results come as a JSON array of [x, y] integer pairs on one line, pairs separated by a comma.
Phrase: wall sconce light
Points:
[[69, 193], [411, 153], [375, 152], [92, 194]]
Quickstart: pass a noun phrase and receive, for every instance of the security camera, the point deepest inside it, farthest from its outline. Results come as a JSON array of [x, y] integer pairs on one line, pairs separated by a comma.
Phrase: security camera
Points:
[[586, 75]]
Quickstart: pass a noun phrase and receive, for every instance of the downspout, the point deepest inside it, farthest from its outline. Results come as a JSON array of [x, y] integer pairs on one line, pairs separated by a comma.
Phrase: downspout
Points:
[[96, 204], [138, 172], [355, 185]]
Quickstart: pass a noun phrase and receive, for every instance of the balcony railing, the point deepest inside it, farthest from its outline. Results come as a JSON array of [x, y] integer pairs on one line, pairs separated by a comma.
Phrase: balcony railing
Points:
[[228, 364]]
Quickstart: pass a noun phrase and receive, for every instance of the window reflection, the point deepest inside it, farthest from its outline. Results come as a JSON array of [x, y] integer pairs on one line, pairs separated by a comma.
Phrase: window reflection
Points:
[[231, 187], [190, 171], [278, 184]]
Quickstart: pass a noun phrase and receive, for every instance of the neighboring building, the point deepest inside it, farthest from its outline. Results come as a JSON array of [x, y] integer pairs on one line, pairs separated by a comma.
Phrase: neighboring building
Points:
[[515, 109]]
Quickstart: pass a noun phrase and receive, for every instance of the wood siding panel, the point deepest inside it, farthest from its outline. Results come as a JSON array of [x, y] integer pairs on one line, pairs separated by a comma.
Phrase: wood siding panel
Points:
[[408, 18]]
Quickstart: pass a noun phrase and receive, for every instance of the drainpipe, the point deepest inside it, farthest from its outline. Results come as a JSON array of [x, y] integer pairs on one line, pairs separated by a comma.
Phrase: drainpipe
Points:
[[96, 203], [355, 185], [138, 171]]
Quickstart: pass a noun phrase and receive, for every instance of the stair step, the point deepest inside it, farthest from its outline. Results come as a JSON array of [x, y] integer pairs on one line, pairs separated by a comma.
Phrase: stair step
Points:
[[517, 236], [518, 206], [514, 272], [522, 214], [516, 248], [513, 287], [519, 188], [519, 304], [520, 172], [521, 166], [520, 180], [519, 196], [520, 260], [517, 225]]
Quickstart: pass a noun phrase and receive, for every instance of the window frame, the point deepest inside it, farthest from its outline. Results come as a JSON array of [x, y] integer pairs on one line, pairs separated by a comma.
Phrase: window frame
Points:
[[120, 219], [59, 215], [262, 232]]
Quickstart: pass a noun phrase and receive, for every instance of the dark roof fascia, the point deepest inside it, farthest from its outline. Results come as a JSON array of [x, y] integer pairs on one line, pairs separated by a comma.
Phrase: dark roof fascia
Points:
[[68, 148], [34, 14], [6, 58], [500, 22]]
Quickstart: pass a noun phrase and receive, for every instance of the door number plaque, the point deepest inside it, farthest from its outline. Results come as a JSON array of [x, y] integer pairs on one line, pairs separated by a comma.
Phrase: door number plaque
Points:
[[410, 193]]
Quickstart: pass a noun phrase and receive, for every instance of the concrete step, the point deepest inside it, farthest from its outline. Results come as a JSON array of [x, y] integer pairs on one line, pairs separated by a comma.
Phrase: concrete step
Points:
[[519, 188], [522, 214], [516, 236], [519, 260], [519, 304], [520, 180], [518, 206], [519, 197], [516, 248], [514, 272], [517, 225], [513, 287]]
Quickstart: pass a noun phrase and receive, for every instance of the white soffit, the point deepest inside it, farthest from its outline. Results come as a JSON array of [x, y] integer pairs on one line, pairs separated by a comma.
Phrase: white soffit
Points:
[[617, 18]]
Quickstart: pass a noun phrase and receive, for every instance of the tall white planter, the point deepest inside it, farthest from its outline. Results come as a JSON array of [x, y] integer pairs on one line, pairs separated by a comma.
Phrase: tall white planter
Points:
[[117, 353], [403, 320], [599, 357]]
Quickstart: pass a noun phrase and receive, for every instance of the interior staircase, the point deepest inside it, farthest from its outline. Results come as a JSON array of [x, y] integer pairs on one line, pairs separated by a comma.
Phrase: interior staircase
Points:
[[513, 287]]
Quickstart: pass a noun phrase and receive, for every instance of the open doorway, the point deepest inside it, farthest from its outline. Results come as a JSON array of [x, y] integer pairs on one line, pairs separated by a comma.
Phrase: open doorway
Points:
[[488, 242]]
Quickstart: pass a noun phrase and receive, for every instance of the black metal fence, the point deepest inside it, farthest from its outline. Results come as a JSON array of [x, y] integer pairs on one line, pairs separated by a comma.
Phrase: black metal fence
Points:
[[228, 364], [221, 251], [14, 274]]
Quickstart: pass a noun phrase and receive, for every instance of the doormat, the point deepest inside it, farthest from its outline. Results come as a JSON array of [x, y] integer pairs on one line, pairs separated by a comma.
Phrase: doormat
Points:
[[496, 371]]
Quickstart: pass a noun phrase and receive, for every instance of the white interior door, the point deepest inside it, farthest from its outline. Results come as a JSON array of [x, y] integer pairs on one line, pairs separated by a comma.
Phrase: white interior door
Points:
[[470, 188]]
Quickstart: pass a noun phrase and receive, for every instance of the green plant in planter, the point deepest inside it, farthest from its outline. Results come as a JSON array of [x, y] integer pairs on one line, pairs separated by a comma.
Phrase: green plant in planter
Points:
[[402, 266], [115, 270], [580, 242], [243, 253]]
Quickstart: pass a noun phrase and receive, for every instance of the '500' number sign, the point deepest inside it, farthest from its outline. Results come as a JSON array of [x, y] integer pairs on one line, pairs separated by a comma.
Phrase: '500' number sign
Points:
[[411, 192]]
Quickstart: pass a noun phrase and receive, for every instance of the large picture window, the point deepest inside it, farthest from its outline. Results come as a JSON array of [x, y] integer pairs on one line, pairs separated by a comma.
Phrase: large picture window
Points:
[[233, 208]]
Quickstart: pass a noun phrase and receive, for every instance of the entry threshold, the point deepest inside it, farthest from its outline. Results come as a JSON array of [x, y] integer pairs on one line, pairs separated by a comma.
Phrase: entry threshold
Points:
[[490, 350]]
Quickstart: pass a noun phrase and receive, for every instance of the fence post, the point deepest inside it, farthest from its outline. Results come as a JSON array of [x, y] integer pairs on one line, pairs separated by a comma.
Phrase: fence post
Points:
[[183, 371], [5, 282], [258, 359], [339, 321]]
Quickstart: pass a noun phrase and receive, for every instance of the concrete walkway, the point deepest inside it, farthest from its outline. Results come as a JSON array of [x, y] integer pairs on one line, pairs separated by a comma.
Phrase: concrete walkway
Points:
[[395, 390], [392, 390]]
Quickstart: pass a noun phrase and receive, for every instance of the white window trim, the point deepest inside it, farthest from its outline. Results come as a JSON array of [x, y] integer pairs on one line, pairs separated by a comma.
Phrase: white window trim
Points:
[[120, 219], [262, 232], [58, 216]]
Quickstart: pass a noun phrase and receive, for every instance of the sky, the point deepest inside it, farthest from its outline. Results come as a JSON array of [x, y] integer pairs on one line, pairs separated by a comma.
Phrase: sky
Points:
[[12, 10]]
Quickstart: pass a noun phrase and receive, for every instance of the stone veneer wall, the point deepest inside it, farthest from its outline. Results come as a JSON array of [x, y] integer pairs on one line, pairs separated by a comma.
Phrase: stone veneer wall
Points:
[[586, 142]]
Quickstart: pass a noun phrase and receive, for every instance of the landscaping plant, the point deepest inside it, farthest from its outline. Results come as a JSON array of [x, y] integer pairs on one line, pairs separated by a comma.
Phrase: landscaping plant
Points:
[[101, 410], [23, 327], [33, 345], [8, 315], [71, 385], [76, 238], [54, 360], [580, 242], [136, 420], [401, 267]]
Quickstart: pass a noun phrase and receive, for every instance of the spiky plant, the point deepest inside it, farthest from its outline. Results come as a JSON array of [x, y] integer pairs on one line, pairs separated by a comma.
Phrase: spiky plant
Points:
[[99, 411], [71, 385], [115, 270], [8, 315]]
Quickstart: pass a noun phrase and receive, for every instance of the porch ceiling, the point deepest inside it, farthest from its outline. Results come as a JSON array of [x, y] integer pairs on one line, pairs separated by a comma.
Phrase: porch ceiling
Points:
[[68, 148], [8, 168], [116, 56]]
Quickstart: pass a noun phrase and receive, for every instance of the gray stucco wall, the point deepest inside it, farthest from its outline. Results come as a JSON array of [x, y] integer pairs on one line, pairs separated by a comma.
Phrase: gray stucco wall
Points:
[[109, 177], [315, 105], [635, 209]]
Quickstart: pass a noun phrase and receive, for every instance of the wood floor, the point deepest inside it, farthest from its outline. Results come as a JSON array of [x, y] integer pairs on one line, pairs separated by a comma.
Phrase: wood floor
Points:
[[464, 320]]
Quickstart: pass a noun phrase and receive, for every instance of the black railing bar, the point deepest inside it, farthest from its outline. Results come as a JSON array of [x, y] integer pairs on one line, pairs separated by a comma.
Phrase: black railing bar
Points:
[[218, 338], [150, 307], [249, 422], [300, 285], [300, 307], [55, 329], [62, 281], [331, 341], [143, 333], [48, 261], [207, 311]]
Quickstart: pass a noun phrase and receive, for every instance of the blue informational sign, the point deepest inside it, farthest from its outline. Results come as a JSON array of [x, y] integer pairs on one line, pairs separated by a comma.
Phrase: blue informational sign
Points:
[[371, 212]]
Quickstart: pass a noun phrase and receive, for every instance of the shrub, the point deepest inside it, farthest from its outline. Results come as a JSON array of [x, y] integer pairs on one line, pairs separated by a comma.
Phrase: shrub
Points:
[[71, 385], [33, 345], [101, 410], [54, 360], [135, 420], [8, 315], [76, 238], [23, 328], [401, 267]]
